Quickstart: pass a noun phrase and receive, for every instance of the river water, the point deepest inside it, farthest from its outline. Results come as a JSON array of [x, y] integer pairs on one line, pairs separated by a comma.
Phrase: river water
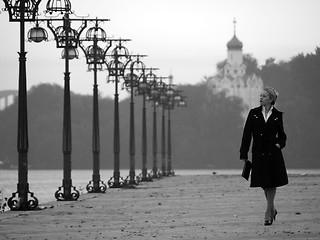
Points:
[[44, 183]]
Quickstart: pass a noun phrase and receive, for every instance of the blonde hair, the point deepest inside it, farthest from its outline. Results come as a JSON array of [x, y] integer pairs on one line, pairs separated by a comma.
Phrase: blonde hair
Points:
[[273, 94]]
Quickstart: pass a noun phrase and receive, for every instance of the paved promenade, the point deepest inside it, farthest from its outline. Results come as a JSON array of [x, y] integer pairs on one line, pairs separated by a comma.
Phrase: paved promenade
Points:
[[179, 207]]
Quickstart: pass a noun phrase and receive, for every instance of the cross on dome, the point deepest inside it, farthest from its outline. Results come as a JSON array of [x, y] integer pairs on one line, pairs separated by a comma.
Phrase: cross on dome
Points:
[[234, 43]]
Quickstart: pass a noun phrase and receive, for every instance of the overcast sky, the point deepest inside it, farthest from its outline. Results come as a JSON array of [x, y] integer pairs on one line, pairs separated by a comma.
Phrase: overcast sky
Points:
[[184, 37]]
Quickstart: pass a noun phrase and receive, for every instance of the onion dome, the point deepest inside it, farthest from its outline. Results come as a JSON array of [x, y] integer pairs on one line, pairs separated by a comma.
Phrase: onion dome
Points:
[[234, 43]]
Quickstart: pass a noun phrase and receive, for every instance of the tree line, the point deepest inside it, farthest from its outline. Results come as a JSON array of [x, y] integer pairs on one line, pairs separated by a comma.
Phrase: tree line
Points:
[[197, 130], [298, 83], [205, 134]]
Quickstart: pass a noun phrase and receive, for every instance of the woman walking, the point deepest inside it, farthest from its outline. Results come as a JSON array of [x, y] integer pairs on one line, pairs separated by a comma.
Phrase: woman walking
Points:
[[264, 125]]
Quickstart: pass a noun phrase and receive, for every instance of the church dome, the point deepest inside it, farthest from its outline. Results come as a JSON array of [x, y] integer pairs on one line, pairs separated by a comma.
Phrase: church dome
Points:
[[234, 43]]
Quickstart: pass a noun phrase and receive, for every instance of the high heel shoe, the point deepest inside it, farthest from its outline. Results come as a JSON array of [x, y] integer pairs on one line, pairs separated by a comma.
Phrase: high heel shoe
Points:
[[275, 214], [268, 222]]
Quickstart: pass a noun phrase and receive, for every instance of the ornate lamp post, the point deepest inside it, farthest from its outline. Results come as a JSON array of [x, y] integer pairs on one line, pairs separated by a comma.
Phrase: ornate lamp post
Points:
[[173, 97], [67, 39], [179, 100], [169, 104], [154, 97], [119, 59], [95, 57], [131, 82], [162, 100], [22, 11], [144, 90]]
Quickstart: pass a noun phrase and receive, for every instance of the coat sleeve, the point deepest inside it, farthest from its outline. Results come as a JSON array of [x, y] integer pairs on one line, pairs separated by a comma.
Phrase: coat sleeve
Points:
[[282, 137], [246, 137]]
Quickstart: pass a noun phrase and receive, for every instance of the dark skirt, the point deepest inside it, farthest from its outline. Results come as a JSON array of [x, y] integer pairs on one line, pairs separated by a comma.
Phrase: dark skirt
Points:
[[268, 171]]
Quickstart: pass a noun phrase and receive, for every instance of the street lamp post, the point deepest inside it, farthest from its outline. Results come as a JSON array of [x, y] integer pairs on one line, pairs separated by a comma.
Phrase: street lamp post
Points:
[[162, 99], [116, 67], [144, 90], [163, 144], [176, 98], [172, 97], [154, 97], [67, 39], [95, 57], [169, 104], [169, 167], [22, 11], [131, 83]]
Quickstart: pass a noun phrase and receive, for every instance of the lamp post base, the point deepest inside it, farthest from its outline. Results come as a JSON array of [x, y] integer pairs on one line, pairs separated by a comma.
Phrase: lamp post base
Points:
[[146, 177], [131, 181], [19, 200], [156, 173], [163, 172], [67, 192], [96, 186], [170, 173], [116, 182]]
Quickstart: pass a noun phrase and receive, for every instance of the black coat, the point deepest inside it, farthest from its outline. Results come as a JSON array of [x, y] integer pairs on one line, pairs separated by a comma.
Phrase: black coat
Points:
[[268, 167]]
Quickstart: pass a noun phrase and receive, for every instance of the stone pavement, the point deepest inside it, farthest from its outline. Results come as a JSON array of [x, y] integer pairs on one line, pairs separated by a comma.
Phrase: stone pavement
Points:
[[179, 207]]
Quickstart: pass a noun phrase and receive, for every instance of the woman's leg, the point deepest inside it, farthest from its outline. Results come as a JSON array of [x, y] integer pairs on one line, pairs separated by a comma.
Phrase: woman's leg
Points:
[[270, 194]]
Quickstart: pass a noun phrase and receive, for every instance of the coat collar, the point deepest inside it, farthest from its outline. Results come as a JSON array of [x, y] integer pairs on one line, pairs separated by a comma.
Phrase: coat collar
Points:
[[258, 113], [259, 109]]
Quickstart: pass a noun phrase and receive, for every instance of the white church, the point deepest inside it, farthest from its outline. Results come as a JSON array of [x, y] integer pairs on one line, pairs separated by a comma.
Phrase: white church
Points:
[[233, 80]]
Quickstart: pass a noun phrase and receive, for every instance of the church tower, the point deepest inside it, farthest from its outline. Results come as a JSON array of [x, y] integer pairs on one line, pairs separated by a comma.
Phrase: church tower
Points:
[[235, 66], [233, 80]]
